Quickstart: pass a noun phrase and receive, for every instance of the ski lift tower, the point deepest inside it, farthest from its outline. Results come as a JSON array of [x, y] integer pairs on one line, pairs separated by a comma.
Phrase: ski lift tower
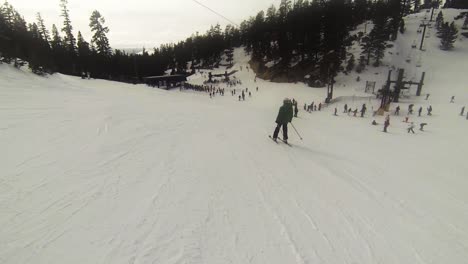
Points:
[[424, 24], [389, 96], [330, 84]]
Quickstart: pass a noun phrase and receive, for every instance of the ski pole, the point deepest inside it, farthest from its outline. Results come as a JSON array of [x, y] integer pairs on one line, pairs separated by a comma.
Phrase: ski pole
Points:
[[296, 131]]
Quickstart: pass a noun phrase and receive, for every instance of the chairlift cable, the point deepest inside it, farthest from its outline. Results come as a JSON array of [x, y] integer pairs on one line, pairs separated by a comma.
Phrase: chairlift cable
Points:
[[213, 11]]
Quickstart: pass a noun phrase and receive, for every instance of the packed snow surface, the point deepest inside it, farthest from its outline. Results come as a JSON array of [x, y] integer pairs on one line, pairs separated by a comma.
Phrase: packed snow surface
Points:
[[94, 171]]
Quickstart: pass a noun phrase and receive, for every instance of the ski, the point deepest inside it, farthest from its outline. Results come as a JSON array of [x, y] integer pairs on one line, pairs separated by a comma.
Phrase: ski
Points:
[[279, 139], [284, 142], [273, 139]]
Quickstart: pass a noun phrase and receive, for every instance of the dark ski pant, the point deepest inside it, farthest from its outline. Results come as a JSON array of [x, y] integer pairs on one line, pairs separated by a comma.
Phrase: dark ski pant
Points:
[[285, 131], [410, 130]]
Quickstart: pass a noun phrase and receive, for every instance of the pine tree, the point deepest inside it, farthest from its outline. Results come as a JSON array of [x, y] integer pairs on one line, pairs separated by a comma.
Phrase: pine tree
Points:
[[34, 30], [83, 52], [69, 40], [335, 25], [229, 56], [56, 42], [271, 14], [374, 45], [83, 46], [417, 5], [367, 48], [20, 39], [42, 28], [298, 4], [406, 7], [362, 64], [99, 38], [58, 50], [448, 36], [8, 13], [4, 36], [351, 63], [13, 35], [461, 4], [379, 38], [439, 20], [402, 27], [284, 9], [38, 48]]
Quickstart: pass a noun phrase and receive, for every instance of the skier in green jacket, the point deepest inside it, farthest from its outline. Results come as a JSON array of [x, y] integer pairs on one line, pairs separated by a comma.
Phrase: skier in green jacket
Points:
[[285, 116]]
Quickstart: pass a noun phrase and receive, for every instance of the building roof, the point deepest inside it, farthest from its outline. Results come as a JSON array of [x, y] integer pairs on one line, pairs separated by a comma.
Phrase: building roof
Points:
[[178, 77], [223, 74]]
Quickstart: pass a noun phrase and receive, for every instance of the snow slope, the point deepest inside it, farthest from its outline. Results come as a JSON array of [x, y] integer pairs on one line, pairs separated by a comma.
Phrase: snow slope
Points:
[[102, 172]]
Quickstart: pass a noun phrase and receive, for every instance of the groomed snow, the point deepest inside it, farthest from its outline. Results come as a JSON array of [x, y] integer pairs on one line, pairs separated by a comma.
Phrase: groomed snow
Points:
[[95, 171]]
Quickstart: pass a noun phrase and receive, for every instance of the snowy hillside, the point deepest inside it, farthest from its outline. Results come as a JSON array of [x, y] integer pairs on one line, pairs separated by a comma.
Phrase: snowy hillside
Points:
[[96, 171]]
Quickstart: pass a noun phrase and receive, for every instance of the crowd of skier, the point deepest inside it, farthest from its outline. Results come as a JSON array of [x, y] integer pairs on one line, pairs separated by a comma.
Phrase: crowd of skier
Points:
[[213, 88], [289, 110]]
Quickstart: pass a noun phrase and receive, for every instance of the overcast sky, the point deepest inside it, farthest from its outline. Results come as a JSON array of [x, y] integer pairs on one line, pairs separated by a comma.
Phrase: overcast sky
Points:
[[148, 23]]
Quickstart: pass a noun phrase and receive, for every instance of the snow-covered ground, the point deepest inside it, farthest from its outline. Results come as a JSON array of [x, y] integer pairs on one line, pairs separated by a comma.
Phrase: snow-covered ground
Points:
[[94, 171]]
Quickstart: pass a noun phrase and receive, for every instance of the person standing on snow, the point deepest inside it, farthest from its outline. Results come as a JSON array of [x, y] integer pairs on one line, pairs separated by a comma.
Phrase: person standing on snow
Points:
[[345, 108], [363, 110], [387, 123], [421, 126], [420, 111], [397, 110], [411, 127], [429, 110], [285, 116], [296, 110], [462, 113], [243, 95], [410, 109], [452, 100]]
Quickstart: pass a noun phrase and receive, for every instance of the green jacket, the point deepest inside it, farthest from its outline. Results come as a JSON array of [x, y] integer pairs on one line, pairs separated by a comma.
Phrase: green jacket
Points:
[[285, 114]]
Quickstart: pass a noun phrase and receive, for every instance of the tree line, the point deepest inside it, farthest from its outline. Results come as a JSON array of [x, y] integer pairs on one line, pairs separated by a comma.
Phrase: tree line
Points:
[[313, 33], [58, 50]]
